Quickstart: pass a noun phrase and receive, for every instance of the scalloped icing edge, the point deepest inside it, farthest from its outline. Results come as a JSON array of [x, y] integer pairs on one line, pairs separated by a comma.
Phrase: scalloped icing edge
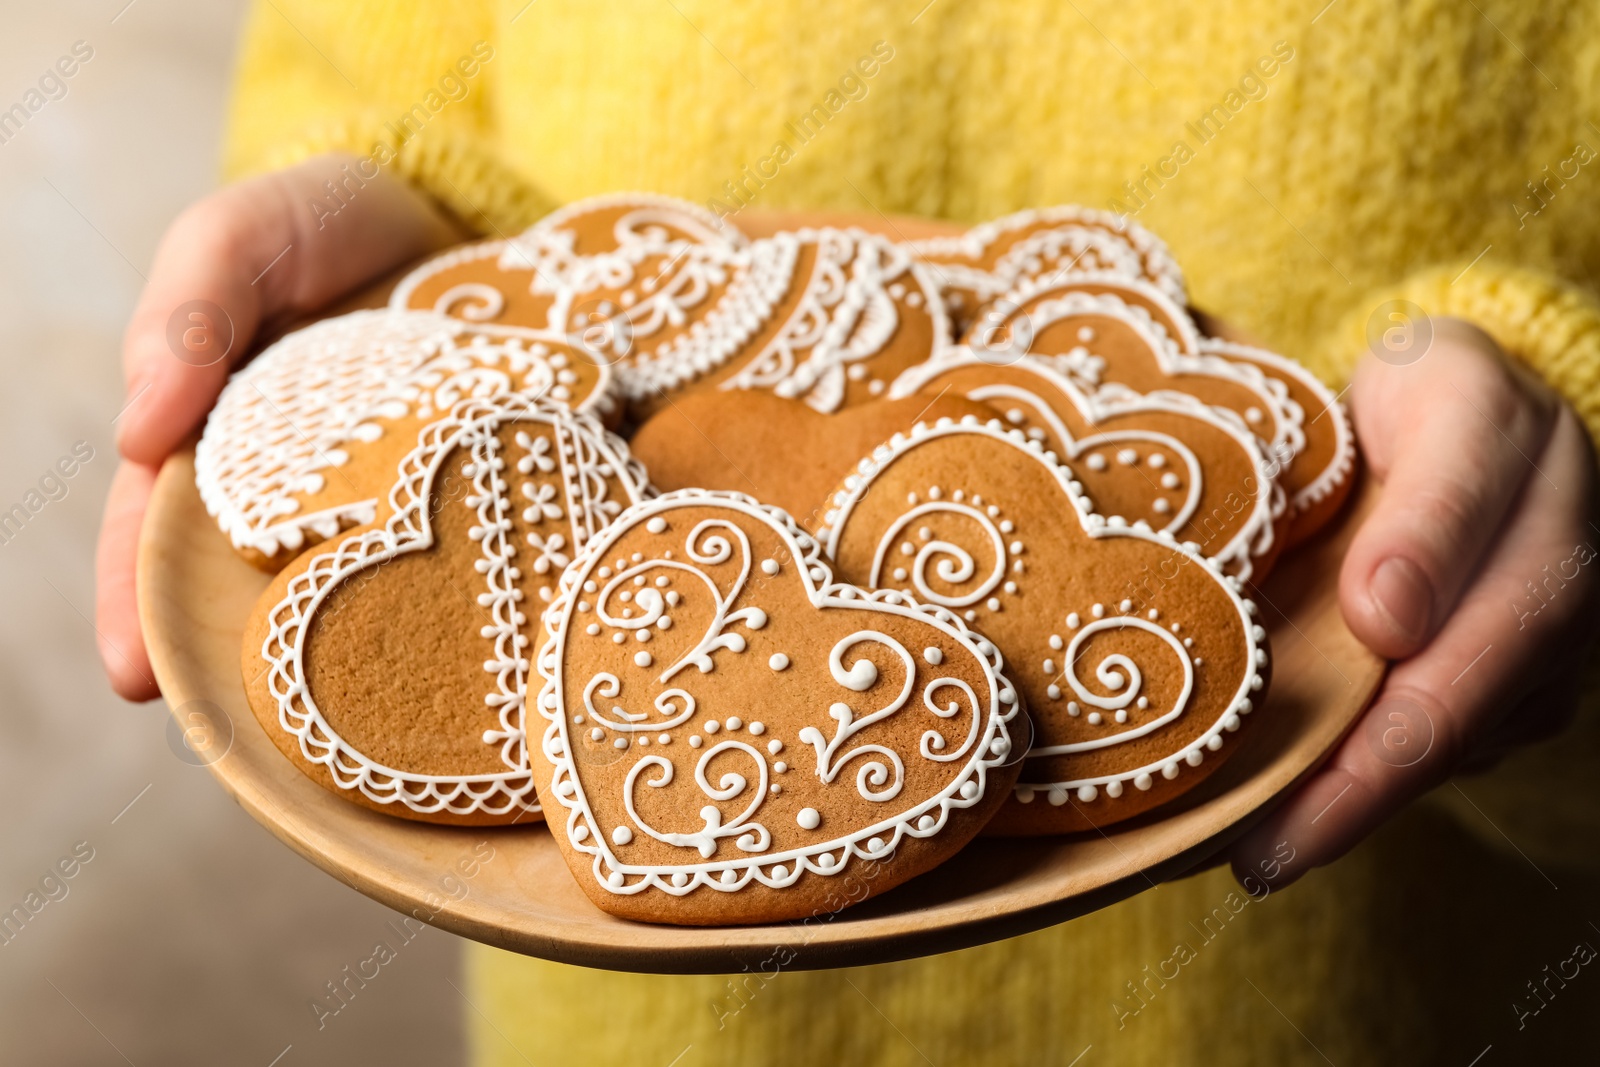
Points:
[[1095, 526], [1256, 539], [1160, 266], [785, 869], [407, 530]]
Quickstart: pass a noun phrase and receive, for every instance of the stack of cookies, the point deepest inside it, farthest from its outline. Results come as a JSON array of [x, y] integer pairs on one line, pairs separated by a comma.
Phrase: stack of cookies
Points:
[[910, 541]]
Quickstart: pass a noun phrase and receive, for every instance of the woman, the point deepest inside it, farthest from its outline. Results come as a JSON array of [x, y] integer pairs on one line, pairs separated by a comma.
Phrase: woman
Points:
[[1418, 175]]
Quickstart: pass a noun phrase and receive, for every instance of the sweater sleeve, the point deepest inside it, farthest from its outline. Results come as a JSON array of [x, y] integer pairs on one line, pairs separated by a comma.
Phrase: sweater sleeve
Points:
[[1550, 325], [409, 86]]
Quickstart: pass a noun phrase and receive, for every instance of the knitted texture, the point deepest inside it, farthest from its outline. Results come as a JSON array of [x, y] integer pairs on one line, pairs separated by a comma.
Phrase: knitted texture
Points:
[[1307, 162]]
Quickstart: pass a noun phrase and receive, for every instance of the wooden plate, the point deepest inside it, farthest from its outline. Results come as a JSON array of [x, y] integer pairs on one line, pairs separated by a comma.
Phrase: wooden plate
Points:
[[194, 595]]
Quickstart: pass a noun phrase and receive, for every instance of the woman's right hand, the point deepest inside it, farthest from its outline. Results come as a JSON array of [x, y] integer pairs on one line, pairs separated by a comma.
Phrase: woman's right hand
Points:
[[262, 254]]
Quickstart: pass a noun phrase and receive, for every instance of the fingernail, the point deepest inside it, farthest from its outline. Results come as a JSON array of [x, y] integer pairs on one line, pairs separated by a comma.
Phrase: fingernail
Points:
[[1403, 594]]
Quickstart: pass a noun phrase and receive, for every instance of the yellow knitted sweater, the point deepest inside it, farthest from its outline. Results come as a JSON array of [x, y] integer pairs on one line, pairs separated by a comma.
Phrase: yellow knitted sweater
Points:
[[1306, 163]]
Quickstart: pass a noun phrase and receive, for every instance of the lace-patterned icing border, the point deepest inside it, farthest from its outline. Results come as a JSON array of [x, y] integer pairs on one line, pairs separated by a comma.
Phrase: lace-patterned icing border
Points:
[[782, 869], [471, 423]]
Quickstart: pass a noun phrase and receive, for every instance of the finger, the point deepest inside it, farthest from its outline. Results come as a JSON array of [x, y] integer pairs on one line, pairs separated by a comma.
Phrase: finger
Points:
[[1488, 655], [1449, 436], [253, 252], [116, 606]]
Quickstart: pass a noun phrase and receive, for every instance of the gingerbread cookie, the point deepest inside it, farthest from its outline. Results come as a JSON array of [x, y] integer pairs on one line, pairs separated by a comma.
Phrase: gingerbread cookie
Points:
[[304, 441], [393, 668], [1041, 244], [1322, 471], [1165, 459], [825, 316], [663, 258], [1102, 329], [731, 737], [780, 452], [1307, 430], [1138, 659]]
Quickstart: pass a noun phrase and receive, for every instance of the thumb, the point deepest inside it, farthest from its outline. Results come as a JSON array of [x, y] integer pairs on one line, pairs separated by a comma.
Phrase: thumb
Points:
[[1449, 436]]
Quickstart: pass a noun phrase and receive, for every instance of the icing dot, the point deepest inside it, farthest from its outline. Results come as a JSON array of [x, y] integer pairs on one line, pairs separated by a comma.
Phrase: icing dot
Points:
[[619, 637], [1126, 605], [774, 746], [900, 574], [661, 583], [1095, 462], [1170, 481], [993, 604], [1113, 789], [925, 533], [621, 742], [622, 835], [1143, 703], [1087, 793], [809, 819], [1160, 507], [1054, 692], [593, 629], [927, 822], [781, 767], [1073, 621], [1122, 715], [1011, 587], [1056, 642], [1094, 718], [769, 566], [1086, 334], [680, 879], [1072, 708], [778, 661], [641, 636], [1098, 611], [694, 741], [1127, 457], [581, 833], [1252, 414], [969, 790], [933, 656], [1143, 782], [712, 726], [734, 722], [875, 845], [774, 788], [656, 525], [758, 729], [663, 739], [907, 548], [644, 659], [1156, 460], [1049, 666], [1154, 615], [597, 734]]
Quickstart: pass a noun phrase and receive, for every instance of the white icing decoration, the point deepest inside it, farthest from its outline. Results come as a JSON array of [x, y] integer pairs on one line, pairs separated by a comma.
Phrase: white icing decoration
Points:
[[731, 845], [471, 425]]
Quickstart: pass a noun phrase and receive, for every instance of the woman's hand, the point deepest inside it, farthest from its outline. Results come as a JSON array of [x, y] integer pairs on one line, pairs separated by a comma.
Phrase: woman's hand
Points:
[[260, 253], [1475, 574]]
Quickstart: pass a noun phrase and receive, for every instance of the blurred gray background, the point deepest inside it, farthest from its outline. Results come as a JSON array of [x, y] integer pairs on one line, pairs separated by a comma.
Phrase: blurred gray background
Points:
[[192, 936]]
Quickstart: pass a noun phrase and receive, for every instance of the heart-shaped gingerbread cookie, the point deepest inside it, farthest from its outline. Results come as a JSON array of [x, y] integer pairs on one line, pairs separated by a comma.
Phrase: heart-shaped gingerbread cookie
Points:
[[728, 732], [782, 453], [392, 668], [304, 441], [1303, 423], [993, 257], [826, 316], [1136, 656], [1165, 459]]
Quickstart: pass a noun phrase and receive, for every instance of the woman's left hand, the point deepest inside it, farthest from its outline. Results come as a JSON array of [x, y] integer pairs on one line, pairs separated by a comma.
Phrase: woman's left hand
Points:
[[1475, 574]]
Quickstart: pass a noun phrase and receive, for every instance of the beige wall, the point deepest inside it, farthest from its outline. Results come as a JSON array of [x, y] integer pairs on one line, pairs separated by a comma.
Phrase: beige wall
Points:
[[192, 936]]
